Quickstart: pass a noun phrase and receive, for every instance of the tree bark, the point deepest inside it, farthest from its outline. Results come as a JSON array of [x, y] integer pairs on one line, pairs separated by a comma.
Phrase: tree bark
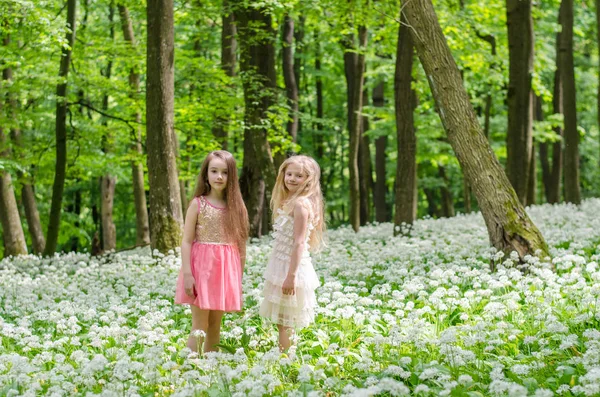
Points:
[[14, 238], [447, 201], [61, 133], [405, 101], [354, 65], [137, 168], [509, 226], [289, 77], [571, 159], [107, 181], [365, 172], [380, 192], [519, 135], [257, 63], [228, 64], [165, 206]]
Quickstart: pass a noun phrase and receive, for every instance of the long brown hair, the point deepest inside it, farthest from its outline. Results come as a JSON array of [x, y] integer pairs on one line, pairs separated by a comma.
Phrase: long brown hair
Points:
[[236, 216], [309, 190]]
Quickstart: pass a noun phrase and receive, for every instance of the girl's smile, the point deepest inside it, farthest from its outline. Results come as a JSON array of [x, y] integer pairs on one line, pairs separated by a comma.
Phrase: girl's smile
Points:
[[294, 177]]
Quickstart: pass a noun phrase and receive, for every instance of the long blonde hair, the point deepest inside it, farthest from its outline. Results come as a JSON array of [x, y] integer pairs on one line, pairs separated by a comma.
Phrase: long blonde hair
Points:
[[236, 216], [309, 190]]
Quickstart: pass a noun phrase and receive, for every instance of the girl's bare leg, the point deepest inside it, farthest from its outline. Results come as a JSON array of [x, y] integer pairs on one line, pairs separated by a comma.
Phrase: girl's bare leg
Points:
[[213, 333], [285, 333], [199, 322]]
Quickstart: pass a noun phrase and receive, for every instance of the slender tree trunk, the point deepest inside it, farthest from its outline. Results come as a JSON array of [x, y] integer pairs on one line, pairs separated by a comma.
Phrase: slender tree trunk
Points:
[[291, 87], [228, 64], [165, 206], [257, 63], [571, 160], [319, 145], [488, 99], [531, 188], [380, 193], [27, 195], [405, 101], [447, 200], [467, 195], [61, 133], [137, 168], [107, 181], [365, 172], [432, 208], [598, 95], [519, 135], [509, 226], [354, 65]]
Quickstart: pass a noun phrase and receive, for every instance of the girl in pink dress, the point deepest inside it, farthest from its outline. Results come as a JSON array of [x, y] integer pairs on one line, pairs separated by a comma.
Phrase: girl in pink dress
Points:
[[213, 250], [290, 279]]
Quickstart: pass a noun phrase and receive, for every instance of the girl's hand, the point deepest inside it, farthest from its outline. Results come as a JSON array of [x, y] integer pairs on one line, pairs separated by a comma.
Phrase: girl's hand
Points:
[[289, 286], [189, 285]]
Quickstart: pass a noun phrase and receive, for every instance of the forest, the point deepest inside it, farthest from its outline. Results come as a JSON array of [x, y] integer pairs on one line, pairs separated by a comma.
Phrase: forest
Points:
[[267, 80]]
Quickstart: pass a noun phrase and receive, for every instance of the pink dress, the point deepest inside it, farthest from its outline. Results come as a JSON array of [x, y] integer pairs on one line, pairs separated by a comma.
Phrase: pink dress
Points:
[[215, 264]]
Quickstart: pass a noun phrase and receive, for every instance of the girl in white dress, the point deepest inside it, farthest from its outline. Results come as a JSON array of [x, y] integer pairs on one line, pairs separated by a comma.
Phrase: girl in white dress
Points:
[[290, 279]]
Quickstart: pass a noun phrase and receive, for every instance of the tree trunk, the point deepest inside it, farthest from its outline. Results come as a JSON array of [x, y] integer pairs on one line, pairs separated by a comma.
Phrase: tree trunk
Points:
[[354, 65], [488, 99], [14, 238], [365, 172], [519, 134], [380, 193], [571, 160], [107, 181], [447, 201], [405, 101], [289, 77], [61, 133], [228, 65], [598, 95], [432, 208], [509, 226], [466, 195], [257, 63], [319, 144], [137, 168], [165, 206]]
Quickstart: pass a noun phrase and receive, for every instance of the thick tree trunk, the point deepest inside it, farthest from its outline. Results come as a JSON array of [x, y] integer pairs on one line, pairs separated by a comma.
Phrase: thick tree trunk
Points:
[[257, 63], [380, 192], [228, 64], [571, 159], [289, 77], [509, 226], [354, 65], [137, 168], [405, 101], [61, 133], [519, 134], [165, 206]]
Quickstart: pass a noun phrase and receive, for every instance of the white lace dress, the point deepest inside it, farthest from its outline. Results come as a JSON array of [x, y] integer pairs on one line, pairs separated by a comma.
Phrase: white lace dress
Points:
[[296, 310]]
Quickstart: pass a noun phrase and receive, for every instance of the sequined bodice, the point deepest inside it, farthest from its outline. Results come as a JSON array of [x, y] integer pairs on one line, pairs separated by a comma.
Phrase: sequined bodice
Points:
[[209, 225]]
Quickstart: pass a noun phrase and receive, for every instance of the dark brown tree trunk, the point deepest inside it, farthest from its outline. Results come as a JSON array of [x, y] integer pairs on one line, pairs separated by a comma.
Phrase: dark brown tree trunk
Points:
[[354, 66], [257, 63], [571, 159], [365, 169], [289, 77], [61, 133], [228, 65], [405, 101], [467, 195], [519, 134], [598, 95], [447, 200], [380, 192], [432, 208], [319, 144], [531, 189], [165, 206], [137, 168], [509, 226], [488, 99], [107, 181]]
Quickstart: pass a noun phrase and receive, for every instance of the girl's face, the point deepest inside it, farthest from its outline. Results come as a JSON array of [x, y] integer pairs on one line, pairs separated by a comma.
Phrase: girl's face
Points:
[[217, 174], [294, 177]]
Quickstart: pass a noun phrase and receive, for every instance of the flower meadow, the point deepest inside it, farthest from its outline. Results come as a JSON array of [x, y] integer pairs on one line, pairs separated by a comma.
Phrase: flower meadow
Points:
[[418, 315]]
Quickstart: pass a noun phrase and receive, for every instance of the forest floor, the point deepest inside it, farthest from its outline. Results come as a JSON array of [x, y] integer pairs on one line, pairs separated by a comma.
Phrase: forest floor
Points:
[[407, 315]]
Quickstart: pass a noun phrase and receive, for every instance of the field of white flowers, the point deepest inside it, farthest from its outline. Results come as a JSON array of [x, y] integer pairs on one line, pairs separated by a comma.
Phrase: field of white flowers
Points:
[[419, 315]]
